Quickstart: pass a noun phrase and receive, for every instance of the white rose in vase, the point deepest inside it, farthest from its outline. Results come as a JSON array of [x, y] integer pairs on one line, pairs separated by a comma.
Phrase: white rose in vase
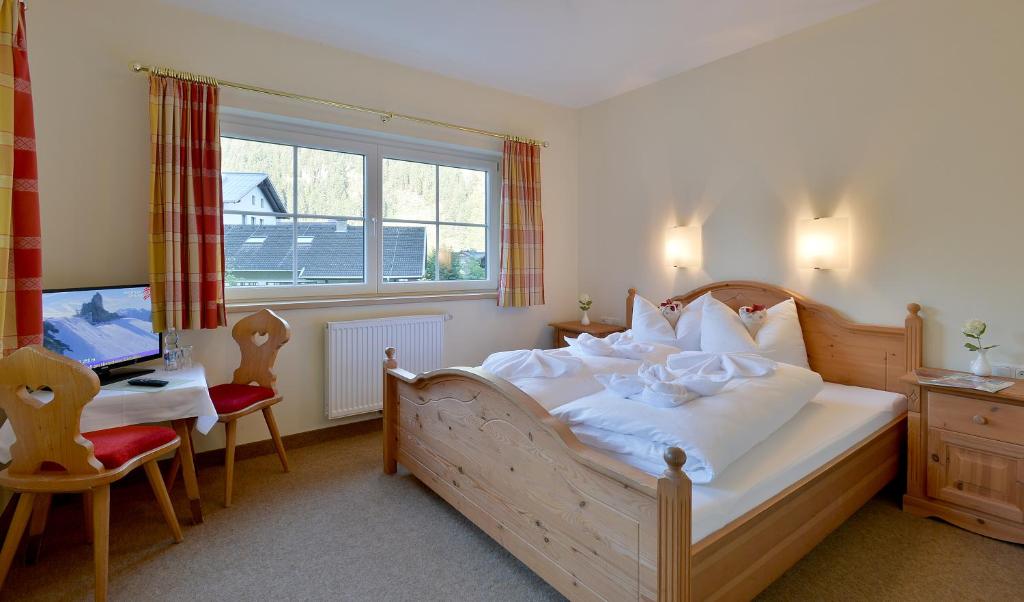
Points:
[[585, 302], [974, 329]]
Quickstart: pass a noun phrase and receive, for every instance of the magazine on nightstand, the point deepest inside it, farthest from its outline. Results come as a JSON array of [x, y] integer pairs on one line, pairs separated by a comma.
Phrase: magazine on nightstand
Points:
[[965, 381]]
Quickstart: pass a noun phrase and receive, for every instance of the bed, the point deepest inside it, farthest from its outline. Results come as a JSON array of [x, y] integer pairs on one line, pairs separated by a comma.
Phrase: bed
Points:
[[596, 528]]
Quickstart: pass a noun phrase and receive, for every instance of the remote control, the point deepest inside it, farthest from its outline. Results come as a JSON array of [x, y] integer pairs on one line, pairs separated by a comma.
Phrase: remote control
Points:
[[148, 382]]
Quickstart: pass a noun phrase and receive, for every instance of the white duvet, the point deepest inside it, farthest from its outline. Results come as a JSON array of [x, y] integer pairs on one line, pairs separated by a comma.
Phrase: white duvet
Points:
[[530, 369], [714, 431]]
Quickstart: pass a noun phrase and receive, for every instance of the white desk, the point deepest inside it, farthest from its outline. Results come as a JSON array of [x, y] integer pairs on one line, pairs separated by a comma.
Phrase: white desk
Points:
[[185, 399]]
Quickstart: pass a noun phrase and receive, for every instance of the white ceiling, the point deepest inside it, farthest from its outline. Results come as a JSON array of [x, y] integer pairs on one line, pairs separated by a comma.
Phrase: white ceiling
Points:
[[568, 52]]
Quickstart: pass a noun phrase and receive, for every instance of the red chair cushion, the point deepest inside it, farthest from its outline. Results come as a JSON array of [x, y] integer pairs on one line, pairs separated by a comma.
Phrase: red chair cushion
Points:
[[114, 447], [231, 397]]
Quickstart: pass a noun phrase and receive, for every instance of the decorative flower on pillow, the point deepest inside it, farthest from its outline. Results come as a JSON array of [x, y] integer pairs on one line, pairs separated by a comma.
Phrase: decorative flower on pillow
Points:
[[753, 316], [671, 310]]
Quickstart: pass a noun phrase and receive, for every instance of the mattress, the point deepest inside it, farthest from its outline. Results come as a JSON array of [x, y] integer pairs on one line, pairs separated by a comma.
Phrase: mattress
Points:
[[834, 421]]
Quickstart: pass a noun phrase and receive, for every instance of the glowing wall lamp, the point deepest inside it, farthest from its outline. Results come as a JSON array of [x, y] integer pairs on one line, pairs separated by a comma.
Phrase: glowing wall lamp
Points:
[[683, 247], [823, 243]]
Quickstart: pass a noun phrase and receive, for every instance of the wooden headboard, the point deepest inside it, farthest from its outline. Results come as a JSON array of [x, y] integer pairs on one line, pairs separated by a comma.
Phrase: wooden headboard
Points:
[[841, 351]]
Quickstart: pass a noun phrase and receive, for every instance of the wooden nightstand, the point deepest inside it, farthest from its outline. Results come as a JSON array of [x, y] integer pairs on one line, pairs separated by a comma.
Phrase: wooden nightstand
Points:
[[573, 329], [965, 456]]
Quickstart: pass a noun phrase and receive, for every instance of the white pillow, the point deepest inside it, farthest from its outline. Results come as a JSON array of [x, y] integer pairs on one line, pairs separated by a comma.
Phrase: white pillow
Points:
[[688, 326], [721, 330], [651, 326], [779, 337]]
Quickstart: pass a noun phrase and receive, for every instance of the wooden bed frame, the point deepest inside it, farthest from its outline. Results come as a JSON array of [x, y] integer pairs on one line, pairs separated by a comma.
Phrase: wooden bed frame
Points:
[[597, 529]]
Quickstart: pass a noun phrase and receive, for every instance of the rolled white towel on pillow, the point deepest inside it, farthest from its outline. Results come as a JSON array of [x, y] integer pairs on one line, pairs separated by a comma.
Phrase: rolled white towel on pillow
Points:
[[617, 344], [712, 364], [626, 385], [667, 394], [536, 363], [653, 384], [685, 376]]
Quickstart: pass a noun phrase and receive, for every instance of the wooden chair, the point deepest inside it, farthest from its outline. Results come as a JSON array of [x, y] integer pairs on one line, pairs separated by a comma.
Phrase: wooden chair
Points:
[[253, 386], [52, 456]]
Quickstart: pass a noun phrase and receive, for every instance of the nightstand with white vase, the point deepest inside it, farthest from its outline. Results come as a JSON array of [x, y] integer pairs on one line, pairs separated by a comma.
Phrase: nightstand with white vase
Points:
[[965, 455]]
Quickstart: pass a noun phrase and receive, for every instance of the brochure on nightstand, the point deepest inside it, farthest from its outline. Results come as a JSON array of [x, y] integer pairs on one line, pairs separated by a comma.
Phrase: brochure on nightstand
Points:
[[966, 381]]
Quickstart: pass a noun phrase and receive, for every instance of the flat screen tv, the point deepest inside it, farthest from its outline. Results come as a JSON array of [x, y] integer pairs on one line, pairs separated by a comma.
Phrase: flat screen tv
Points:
[[105, 328]]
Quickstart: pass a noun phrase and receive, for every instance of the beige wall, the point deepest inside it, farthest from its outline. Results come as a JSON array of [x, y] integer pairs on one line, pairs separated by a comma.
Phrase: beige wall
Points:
[[907, 116], [92, 122]]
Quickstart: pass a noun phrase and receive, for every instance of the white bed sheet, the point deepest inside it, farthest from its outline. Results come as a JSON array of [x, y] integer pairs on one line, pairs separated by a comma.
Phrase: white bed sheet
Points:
[[838, 418]]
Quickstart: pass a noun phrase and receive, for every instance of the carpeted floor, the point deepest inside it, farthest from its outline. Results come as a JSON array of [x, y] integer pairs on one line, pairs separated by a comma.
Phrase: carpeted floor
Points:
[[337, 529]]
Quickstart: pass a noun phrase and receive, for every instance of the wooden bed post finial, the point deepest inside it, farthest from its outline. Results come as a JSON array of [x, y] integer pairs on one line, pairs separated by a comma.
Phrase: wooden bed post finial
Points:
[[390, 406], [674, 504], [675, 458], [630, 296], [915, 328]]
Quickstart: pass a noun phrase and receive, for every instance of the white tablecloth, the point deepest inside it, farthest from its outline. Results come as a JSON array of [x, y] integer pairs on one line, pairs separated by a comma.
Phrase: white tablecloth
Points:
[[121, 404]]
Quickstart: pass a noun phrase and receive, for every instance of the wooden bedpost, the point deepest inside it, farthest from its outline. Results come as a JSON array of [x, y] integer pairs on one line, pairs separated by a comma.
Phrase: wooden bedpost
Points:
[[629, 307], [915, 326], [674, 530], [390, 413], [917, 441]]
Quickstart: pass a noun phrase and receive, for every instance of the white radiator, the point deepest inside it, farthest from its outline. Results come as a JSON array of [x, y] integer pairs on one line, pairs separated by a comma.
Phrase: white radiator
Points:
[[355, 356]]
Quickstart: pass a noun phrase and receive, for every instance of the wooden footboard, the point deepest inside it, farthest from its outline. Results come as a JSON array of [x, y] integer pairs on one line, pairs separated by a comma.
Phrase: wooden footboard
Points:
[[587, 524], [593, 527]]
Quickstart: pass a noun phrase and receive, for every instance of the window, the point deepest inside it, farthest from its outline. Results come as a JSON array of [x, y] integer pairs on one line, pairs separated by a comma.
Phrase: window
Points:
[[332, 212], [450, 205]]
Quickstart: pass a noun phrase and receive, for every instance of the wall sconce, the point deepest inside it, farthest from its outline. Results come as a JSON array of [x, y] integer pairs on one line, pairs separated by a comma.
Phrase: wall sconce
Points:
[[823, 243], [683, 247]]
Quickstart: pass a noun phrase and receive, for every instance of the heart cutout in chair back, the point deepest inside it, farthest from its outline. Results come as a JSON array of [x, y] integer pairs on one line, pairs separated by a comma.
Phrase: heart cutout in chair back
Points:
[[25, 393], [260, 338]]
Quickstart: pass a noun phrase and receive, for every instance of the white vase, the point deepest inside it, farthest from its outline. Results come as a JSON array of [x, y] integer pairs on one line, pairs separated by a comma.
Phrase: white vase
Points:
[[585, 320], [980, 365]]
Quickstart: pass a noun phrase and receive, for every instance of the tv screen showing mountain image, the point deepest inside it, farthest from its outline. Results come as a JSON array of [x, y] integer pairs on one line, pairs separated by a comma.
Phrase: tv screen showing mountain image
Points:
[[100, 327]]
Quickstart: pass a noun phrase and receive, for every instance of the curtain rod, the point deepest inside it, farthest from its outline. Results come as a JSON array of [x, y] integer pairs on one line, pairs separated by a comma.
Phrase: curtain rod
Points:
[[385, 116]]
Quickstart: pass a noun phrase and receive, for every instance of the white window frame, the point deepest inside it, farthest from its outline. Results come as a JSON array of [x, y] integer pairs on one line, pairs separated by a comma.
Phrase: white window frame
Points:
[[374, 147], [404, 152]]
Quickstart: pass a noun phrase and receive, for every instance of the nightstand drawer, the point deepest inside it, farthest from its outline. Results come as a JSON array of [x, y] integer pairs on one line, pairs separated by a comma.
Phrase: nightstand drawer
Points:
[[976, 473], [989, 419]]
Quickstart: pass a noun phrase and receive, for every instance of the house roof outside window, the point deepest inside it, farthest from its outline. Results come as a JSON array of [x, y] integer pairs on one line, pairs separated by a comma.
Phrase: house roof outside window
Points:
[[333, 251], [235, 185]]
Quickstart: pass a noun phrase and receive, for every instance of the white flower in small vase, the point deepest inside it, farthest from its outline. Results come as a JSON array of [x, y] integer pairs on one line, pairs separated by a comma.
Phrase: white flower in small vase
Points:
[[974, 329], [585, 302]]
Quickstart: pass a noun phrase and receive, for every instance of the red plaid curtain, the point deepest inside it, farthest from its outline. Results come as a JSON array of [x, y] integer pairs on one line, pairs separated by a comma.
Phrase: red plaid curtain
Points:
[[186, 230], [521, 281], [21, 264]]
